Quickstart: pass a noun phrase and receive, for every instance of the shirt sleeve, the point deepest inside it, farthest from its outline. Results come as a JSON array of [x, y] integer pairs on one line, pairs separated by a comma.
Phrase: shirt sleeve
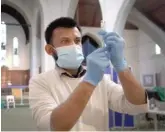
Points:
[[119, 103], [41, 103]]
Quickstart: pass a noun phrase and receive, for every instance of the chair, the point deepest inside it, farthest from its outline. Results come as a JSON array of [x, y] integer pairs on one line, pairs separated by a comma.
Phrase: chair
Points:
[[10, 100]]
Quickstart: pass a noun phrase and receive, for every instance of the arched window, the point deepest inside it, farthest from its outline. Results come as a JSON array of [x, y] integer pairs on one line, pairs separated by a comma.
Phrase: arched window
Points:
[[157, 49], [3, 44], [15, 52]]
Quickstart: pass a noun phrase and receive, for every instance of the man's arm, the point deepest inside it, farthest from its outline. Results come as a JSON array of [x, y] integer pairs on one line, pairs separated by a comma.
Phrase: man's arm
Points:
[[118, 101], [133, 91], [49, 115], [71, 109], [132, 99], [64, 117]]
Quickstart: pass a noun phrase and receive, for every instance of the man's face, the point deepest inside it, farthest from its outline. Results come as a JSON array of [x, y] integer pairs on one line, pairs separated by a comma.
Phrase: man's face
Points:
[[66, 42], [65, 37]]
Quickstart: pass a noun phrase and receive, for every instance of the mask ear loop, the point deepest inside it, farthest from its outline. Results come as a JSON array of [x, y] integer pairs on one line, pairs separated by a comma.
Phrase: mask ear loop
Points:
[[55, 54]]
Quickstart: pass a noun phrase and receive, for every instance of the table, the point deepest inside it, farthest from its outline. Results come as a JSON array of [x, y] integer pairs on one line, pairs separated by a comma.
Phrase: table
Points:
[[155, 110], [20, 87]]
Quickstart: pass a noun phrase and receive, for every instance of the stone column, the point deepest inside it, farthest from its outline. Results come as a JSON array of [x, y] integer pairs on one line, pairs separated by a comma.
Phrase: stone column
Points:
[[33, 51], [115, 13], [52, 9]]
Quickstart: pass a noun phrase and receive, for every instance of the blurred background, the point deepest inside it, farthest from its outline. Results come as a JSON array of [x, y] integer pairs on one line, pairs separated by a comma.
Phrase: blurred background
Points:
[[141, 23]]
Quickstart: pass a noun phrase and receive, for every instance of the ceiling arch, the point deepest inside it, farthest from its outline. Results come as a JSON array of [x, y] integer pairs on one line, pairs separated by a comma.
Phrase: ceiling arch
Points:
[[19, 17], [154, 10], [88, 13]]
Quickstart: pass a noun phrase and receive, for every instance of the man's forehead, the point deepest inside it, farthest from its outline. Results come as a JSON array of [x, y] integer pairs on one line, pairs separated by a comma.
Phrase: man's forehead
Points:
[[61, 31]]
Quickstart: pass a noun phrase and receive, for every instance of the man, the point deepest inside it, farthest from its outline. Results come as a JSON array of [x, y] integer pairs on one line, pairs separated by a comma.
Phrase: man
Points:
[[72, 98]]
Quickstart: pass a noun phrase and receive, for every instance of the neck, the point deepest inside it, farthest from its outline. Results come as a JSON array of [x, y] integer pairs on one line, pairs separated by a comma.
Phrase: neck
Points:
[[72, 71]]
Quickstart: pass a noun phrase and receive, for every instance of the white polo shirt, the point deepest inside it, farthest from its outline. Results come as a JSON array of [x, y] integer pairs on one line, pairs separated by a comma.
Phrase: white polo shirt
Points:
[[50, 89]]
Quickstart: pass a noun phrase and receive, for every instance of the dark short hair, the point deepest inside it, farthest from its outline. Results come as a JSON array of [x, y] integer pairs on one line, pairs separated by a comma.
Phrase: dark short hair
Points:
[[65, 22]]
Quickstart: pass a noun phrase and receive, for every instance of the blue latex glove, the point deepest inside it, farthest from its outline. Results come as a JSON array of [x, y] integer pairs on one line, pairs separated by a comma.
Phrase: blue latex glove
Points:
[[97, 62], [115, 45]]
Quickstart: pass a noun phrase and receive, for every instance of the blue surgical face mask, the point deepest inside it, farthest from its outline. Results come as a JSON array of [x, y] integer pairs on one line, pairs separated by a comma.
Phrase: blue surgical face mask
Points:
[[69, 57]]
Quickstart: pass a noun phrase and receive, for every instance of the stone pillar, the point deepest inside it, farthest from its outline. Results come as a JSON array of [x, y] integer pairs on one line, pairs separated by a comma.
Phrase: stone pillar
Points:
[[33, 50], [115, 13], [53, 9]]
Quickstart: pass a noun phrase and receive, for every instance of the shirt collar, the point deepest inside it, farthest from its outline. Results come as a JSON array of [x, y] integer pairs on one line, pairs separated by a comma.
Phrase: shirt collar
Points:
[[80, 73]]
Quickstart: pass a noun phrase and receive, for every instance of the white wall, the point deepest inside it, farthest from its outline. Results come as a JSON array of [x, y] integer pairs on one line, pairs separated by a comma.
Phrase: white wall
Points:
[[140, 55], [150, 63], [131, 51], [23, 50]]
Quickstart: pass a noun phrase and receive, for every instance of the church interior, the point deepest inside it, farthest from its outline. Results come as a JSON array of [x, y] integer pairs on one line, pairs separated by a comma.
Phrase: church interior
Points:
[[141, 24]]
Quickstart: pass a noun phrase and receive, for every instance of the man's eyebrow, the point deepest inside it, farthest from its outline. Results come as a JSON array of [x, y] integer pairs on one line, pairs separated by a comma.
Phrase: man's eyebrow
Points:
[[78, 37], [64, 37]]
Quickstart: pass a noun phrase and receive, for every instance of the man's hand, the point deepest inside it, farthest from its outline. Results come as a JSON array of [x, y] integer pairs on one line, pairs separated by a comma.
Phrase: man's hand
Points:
[[115, 45], [66, 115], [97, 62], [133, 91]]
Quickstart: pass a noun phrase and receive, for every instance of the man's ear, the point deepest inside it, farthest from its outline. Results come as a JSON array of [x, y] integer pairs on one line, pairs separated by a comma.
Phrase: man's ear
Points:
[[49, 49]]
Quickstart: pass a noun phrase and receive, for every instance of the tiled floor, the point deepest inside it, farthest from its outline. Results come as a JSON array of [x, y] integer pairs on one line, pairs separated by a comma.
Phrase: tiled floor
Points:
[[19, 119]]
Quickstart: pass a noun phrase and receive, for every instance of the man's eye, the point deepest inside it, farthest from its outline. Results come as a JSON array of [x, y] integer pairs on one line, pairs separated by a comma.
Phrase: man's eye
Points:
[[77, 41], [65, 41]]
